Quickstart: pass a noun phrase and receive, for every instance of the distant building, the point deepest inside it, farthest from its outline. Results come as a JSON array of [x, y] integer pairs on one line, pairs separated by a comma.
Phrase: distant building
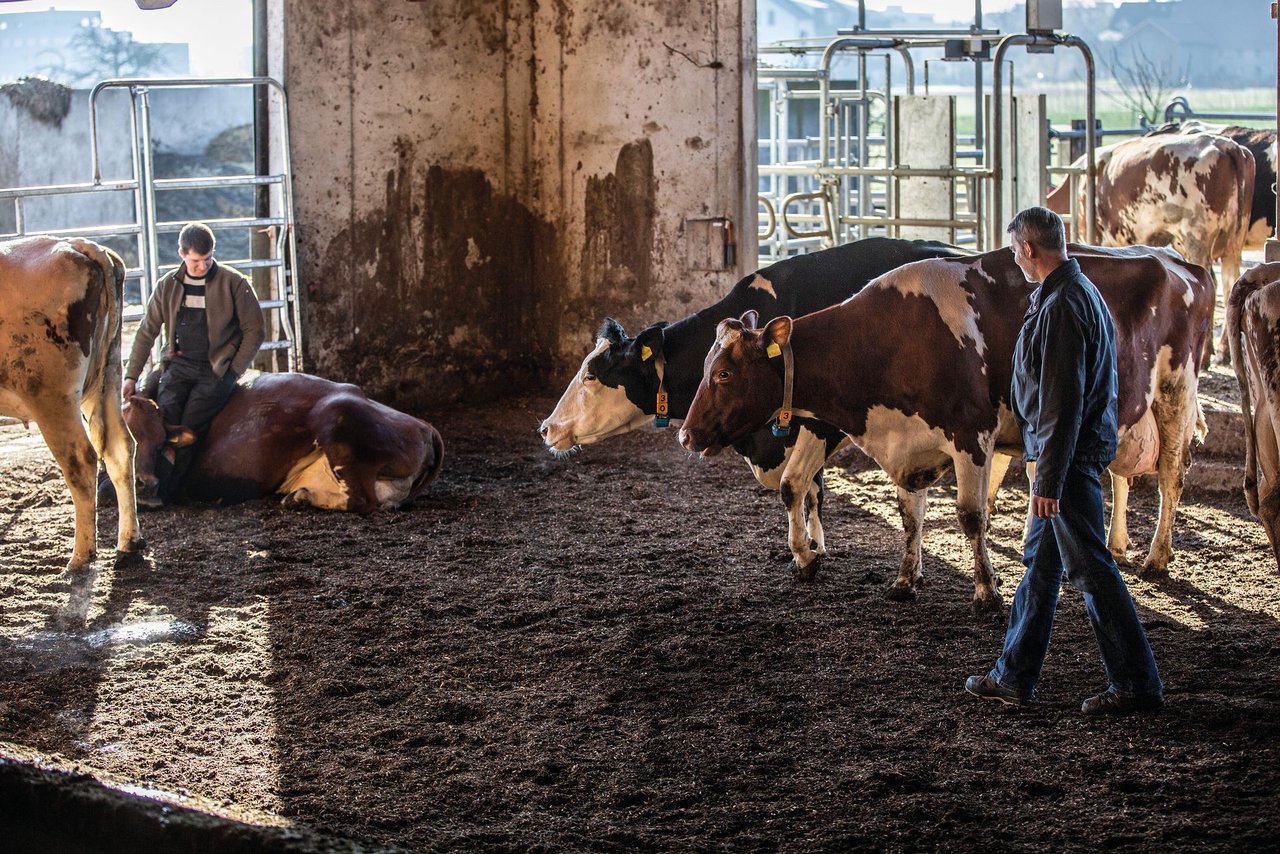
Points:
[[1220, 42], [44, 44]]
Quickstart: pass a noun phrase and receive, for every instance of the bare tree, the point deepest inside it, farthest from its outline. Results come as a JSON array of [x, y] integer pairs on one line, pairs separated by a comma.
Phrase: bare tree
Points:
[[105, 53], [1145, 83]]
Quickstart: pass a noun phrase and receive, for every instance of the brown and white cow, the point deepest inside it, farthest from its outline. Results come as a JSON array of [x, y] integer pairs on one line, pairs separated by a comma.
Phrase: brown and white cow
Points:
[[60, 303], [1193, 192], [917, 369], [312, 440], [1253, 324], [1261, 143]]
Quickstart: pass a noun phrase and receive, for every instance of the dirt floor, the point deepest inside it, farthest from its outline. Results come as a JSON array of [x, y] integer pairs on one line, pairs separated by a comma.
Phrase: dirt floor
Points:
[[607, 652]]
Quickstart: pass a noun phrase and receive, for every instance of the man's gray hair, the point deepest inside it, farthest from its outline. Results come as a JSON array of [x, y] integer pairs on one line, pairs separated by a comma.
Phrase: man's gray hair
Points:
[[1040, 226]]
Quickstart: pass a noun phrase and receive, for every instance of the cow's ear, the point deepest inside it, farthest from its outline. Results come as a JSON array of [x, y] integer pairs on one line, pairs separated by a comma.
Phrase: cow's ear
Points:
[[778, 331], [650, 341], [180, 437], [750, 319], [611, 331]]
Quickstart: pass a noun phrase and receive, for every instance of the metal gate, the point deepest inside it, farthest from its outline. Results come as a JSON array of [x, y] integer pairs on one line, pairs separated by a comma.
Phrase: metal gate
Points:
[[273, 270], [901, 170]]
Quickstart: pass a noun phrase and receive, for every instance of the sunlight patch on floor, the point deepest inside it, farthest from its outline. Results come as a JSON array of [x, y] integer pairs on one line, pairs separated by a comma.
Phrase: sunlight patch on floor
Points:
[[214, 757]]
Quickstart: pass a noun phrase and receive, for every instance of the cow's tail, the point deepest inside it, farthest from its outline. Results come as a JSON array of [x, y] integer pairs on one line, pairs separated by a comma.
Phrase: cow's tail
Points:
[[432, 471], [1234, 328], [105, 373]]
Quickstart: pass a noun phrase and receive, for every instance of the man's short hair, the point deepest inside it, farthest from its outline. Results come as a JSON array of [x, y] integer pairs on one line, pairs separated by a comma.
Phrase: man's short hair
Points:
[[1040, 226], [196, 237]]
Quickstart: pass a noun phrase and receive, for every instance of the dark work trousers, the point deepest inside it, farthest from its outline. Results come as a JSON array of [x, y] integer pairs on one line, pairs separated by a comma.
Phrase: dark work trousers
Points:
[[190, 394], [1075, 540]]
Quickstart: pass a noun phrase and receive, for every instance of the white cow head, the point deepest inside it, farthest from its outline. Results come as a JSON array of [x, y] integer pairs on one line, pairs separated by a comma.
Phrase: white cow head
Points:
[[614, 392]]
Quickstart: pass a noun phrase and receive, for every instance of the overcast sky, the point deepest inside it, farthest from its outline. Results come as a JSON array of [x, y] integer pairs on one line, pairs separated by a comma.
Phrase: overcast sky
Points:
[[219, 32]]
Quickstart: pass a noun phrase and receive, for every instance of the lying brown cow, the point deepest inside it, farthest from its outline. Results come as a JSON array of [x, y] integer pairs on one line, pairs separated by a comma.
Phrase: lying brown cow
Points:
[[1253, 327], [314, 441], [60, 367]]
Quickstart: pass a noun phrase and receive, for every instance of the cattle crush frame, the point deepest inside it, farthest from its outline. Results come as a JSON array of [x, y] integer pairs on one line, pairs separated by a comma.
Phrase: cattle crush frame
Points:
[[864, 174], [273, 271]]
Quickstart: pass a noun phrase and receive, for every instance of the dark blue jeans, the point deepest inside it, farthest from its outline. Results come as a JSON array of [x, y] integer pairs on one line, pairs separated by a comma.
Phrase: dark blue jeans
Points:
[[1075, 540]]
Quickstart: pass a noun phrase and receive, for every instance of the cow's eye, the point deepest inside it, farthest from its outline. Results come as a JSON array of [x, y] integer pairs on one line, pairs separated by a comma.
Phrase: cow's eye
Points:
[[588, 377], [722, 376]]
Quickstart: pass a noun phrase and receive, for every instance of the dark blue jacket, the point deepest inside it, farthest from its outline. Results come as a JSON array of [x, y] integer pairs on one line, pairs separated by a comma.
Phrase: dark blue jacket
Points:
[[1064, 378]]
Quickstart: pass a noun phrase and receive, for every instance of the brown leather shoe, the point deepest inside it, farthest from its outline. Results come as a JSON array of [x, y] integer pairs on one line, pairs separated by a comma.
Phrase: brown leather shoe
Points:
[[1111, 703]]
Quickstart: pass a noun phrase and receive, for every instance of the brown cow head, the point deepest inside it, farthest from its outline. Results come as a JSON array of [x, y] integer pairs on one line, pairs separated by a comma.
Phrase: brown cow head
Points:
[[154, 439], [741, 384]]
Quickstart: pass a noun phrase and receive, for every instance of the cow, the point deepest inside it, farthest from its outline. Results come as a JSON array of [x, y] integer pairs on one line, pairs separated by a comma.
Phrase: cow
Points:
[[1253, 324], [60, 316], [314, 441], [1193, 192], [1262, 145], [616, 388], [917, 369]]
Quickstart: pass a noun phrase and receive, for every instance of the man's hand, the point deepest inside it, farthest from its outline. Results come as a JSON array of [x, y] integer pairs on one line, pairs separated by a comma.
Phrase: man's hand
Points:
[[129, 388], [1044, 508]]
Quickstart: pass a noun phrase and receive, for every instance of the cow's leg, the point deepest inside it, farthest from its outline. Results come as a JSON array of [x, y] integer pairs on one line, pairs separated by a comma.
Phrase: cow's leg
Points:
[[63, 432], [971, 496], [999, 466], [804, 464], [115, 445], [1174, 421], [1268, 514], [817, 496], [1118, 532], [1230, 273], [911, 506]]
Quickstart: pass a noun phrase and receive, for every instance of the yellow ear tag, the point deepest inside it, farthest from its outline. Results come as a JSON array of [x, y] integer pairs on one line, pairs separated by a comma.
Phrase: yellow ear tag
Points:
[[645, 353], [774, 350]]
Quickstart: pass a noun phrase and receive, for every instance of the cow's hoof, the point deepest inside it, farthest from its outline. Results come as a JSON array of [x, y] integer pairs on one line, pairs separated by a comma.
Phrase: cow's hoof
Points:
[[1153, 572], [1122, 558], [805, 574], [1224, 357], [129, 558], [133, 547], [983, 605], [901, 593], [77, 565]]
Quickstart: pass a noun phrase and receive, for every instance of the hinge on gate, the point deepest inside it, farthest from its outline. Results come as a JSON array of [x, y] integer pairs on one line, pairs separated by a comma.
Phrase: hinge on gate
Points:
[[1274, 7]]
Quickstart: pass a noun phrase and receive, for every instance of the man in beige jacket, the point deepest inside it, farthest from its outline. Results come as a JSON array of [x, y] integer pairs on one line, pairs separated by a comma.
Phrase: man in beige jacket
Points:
[[213, 328]]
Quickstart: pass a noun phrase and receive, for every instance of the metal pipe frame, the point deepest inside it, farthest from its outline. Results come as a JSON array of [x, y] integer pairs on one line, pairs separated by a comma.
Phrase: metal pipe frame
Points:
[[997, 130], [146, 184]]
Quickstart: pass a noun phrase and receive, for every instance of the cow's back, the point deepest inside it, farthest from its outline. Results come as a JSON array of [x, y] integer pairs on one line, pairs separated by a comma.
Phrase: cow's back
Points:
[[60, 304], [1189, 191], [1156, 299], [806, 283]]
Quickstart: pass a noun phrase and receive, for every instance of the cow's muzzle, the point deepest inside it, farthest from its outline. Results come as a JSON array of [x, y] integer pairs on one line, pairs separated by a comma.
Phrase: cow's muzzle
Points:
[[698, 444]]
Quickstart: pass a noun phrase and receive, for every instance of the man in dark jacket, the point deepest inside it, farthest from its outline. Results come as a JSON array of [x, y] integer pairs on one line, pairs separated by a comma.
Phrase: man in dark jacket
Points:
[[213, 328], [1064, 398]]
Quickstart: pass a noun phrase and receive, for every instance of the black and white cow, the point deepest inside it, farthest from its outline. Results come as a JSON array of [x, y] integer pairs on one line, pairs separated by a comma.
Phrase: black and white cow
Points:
[[617, 388]]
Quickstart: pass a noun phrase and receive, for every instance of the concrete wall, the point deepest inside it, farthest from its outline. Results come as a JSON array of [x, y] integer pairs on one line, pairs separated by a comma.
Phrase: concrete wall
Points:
[[478, 182]]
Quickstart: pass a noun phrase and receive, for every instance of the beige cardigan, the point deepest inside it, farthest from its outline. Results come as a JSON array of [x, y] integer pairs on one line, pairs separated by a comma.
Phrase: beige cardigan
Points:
[[231, 307]]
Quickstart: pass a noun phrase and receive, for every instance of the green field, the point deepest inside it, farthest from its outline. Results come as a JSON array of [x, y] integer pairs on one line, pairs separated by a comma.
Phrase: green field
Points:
[[1067, 103]]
